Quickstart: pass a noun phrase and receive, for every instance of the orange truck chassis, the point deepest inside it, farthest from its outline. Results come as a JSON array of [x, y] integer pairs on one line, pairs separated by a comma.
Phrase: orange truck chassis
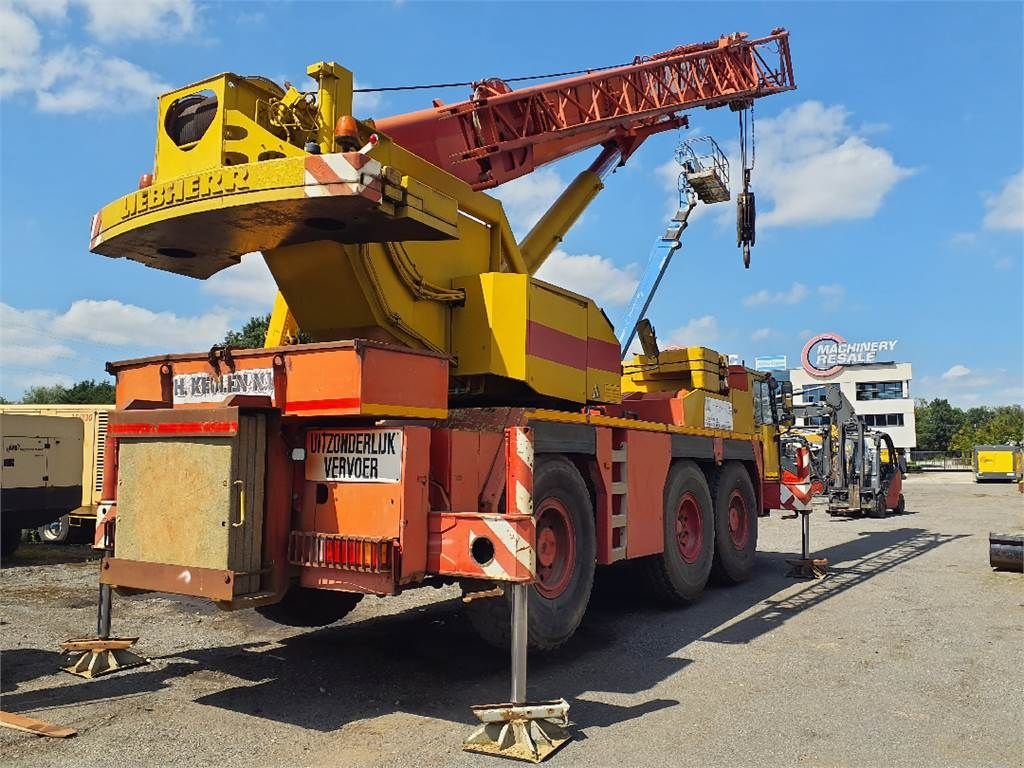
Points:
[[240, 475]]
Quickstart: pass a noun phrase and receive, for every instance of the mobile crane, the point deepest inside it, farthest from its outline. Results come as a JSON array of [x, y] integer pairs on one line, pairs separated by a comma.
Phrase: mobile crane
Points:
[[454, 417]]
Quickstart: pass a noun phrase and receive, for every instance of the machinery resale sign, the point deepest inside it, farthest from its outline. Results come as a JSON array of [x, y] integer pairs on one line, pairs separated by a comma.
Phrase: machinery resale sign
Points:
[[354, 455], [827, 354]]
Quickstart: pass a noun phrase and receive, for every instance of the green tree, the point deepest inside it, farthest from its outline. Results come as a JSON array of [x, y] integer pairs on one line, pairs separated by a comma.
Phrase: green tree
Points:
[[252, 334], [937, 423], [1005, 427], [85, 392]]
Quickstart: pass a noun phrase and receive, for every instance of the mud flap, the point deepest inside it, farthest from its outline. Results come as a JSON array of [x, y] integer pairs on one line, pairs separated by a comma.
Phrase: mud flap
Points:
[[530, 732]]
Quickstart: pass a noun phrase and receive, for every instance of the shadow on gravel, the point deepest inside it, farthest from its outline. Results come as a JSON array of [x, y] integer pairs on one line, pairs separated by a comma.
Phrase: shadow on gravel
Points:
[[35, 553], [429, 662]]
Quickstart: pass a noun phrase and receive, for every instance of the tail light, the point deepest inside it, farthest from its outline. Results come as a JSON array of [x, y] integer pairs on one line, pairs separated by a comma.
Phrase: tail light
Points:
[[326, 550]]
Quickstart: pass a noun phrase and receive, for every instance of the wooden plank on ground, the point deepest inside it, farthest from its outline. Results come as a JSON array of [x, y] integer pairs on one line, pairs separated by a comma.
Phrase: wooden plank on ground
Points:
[[114, 643], [31, 725]]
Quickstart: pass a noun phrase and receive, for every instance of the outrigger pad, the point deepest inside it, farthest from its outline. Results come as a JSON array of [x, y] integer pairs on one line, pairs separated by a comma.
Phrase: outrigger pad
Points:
[[93, 657], [531, 732], [807, 569]]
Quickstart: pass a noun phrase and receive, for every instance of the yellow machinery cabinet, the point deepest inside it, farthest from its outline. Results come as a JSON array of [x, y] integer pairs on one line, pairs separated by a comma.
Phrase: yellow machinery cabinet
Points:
[[557, 342]]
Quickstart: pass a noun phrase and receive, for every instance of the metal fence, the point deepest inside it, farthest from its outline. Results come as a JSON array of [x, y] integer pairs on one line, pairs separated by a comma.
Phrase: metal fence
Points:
[[939, 461]]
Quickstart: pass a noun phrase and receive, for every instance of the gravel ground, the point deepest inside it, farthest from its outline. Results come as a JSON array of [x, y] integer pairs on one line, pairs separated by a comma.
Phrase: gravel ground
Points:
[[909, 654]]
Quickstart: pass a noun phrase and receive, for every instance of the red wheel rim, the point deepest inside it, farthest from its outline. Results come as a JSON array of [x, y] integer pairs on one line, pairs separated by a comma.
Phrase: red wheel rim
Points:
[[689, 528], [556, 548], [739, 520]]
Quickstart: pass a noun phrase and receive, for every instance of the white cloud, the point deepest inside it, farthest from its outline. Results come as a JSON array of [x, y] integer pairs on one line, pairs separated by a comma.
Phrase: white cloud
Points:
[[761, 334], [41, 346], [815, 168], [74, 79], [116, 20], [78, 80], [248, 284], [593, 276], [113, 323], [964, 386], [527, 198], [963, 239], [698, 332], [832, 296], [957, 372], [797, 293], [107, 323], [365, 104], [1005, 210], [805, 334]]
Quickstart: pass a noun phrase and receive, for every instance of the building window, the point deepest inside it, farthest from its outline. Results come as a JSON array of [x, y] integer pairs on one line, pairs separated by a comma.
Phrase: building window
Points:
[[880, 390], [813, 393], [882, 419]]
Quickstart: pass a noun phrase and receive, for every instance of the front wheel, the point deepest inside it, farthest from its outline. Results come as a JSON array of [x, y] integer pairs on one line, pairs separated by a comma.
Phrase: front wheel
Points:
[[735, 524], [566, 557], [901, 505]]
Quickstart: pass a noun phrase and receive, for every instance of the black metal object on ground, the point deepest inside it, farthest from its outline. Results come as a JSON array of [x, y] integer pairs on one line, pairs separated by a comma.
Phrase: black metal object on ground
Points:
[[1006, 551]]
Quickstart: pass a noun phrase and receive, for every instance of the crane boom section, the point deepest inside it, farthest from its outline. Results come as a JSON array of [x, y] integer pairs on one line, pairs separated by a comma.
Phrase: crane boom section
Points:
[[382, 231], [501, 134]]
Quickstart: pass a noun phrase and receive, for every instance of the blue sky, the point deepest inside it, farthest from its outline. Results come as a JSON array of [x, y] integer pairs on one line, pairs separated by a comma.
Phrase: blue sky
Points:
[[890, 187]]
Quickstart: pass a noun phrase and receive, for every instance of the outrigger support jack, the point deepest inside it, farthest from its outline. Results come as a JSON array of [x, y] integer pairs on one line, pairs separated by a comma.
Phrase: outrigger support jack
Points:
[[520, 730], [806, 567], [103, 654]]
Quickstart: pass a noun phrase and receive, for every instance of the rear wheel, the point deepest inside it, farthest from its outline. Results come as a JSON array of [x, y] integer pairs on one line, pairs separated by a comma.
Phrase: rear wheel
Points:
[[735, 524], [566, 556], [56, 532], [679, 574], [305, 607]]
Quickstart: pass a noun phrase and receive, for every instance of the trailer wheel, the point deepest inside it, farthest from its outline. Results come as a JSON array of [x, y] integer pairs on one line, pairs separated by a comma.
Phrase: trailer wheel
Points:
[[566, 556], [735, 524], [679, 574], [56, 532], [305, 607], [901, 506]]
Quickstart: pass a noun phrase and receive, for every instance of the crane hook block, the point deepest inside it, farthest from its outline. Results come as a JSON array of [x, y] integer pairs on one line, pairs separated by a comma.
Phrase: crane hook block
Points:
[[746, 216]]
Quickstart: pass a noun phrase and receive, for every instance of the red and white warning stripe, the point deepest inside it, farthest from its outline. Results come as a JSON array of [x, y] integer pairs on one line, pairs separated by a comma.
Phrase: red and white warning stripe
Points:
[[343, 173], [519, 472], [795, 490]]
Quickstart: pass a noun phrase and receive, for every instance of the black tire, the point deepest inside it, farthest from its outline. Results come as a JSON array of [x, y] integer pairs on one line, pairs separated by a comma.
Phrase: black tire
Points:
[[10, 538], [57, 532], [901, 506], [679, 574], [554, 612], [735, 534], [305, 607]]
